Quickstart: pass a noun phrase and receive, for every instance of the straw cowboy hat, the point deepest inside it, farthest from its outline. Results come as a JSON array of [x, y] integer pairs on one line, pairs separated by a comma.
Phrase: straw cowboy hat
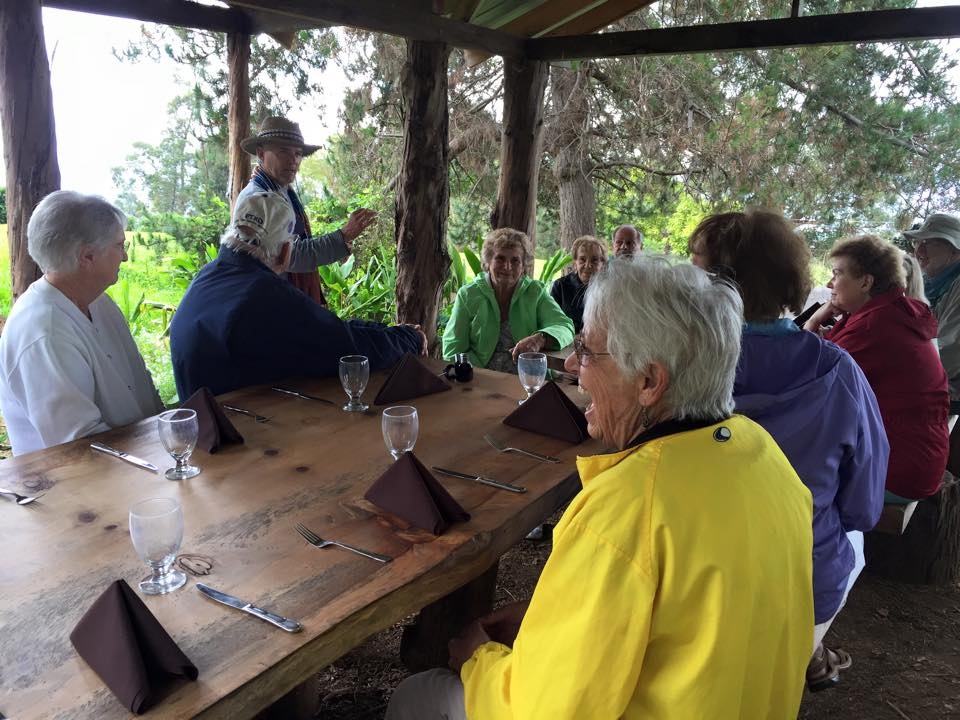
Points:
[[279, 131]]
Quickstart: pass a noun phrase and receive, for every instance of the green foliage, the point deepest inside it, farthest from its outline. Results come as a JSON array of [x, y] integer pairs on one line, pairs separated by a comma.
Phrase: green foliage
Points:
[[364, 291], [185, 266], [130, 301], [553, 265], [3, 206], [473, 260]]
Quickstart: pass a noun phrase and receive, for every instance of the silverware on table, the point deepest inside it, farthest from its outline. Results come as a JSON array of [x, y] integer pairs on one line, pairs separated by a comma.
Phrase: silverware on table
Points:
[[248, 413], [317, 541], [235, 602], [500, 447], [482, 480], [132, 459], [305, 396], [21, 499]]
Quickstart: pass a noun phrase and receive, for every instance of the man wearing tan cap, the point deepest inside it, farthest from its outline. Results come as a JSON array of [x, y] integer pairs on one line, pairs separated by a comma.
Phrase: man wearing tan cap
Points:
[[936, 245], [279, 149]]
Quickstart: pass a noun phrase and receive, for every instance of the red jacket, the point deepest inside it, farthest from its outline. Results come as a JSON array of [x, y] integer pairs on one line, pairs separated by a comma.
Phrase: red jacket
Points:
[[891, 338]]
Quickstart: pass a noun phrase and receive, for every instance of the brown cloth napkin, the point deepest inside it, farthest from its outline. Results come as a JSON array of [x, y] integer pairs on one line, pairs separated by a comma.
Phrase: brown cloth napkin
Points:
[[550, 412], [129, 649], [408, 490], [215, 429], [409, 379]]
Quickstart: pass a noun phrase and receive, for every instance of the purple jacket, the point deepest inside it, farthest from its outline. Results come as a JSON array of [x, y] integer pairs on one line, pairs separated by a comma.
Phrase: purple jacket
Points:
[[817, 404]]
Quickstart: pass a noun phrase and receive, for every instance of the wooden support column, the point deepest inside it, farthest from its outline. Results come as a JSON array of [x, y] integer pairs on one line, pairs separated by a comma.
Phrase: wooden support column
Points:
[[524, 82], [29, 137], [423, 193], [238, 112]]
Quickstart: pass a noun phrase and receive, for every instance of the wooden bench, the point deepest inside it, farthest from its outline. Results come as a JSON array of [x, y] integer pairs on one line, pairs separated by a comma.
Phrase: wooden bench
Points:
[[894, 518]]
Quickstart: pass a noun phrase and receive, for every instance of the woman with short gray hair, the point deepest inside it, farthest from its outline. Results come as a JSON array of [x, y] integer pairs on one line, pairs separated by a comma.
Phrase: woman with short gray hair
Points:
[[503, 312], [680, 579], [68, 364]]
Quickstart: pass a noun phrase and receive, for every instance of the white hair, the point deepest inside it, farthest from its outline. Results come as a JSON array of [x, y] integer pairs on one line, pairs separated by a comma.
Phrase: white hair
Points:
[[914, 278], [677, 315], [242, 240], [64, 222]]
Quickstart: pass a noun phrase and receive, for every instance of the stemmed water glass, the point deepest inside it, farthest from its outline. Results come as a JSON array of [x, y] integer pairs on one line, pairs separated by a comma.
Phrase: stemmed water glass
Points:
[[178, 434], [156, 529], [354, 375], [401, 426], [532, 369]]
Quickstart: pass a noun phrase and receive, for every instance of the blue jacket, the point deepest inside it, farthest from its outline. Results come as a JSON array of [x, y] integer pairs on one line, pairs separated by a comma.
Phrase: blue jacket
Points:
[[241, 324], [817, 404]]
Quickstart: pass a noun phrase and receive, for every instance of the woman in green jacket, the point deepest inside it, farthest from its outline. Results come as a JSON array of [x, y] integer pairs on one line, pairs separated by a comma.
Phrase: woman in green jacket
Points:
[[503, 312]]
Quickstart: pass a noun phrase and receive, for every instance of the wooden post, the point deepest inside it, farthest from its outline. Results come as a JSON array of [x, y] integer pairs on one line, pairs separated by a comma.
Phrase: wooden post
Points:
[[524, 82], [238, 112], [423, 190], [29, 137]]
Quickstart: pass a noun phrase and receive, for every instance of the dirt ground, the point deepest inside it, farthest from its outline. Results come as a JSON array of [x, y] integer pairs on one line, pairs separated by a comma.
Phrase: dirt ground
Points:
[[904, 640]]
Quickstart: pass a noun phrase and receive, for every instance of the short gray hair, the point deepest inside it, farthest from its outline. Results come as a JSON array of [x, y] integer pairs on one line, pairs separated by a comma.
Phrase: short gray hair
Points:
[[66, 221], [677, 315]]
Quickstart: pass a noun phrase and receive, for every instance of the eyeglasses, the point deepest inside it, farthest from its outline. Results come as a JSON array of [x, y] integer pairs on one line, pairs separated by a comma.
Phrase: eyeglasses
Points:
[[583, 352]]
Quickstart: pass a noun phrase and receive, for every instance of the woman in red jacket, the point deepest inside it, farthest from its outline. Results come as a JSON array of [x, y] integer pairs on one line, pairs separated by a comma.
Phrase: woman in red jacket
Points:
[[892, 337]]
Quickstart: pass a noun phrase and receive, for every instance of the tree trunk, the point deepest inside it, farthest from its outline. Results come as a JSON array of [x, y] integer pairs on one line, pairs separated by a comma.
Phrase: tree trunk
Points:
[[572, 166], [524, 82], [29, 136], [424, 193], [238, 114]]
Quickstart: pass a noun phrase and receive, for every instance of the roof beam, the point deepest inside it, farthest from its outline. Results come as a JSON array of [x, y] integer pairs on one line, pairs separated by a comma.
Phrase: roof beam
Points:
[[869, 26], [184, 13], [181, 13], [394, 17]]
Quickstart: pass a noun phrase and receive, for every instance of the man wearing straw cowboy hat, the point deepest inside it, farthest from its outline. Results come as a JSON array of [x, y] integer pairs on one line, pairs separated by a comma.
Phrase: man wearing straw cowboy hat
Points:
[[279, 149]]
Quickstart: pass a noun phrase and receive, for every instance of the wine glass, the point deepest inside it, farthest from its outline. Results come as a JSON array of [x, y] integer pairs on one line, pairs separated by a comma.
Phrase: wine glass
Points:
[[401, 426], [532, 369], [156, 529], [178, 433], [354, 375]]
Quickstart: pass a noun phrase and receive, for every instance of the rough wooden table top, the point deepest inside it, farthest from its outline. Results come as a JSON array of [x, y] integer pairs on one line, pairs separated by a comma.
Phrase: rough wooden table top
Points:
[[312, 463]]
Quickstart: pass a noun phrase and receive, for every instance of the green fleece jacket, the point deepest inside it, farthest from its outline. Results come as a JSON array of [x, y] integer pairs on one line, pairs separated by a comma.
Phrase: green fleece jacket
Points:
[[474, 325]]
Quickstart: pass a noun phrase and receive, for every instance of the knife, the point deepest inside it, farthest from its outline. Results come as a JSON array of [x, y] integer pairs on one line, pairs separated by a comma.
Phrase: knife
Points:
[[132, 459], [303, 395], [234, 602], [482, 480]]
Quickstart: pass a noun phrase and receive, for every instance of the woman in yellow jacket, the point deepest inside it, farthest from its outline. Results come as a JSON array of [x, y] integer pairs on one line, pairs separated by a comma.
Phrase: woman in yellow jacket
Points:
[[680, 580]]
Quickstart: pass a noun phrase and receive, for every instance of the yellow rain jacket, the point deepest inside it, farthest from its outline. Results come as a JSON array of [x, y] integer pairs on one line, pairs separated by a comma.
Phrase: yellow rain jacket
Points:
[[679, 587]]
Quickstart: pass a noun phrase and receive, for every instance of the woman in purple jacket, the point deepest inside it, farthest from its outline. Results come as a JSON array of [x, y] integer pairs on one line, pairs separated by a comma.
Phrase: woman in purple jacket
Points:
[[811, 397]]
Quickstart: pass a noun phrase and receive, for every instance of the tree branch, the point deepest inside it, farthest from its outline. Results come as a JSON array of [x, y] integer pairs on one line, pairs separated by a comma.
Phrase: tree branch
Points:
[[617, 163], [847, 117]]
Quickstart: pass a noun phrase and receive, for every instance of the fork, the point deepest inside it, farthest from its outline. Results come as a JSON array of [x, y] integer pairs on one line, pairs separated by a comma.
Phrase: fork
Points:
[[311, 537], [500, 447], [21, 499], [255, 416]]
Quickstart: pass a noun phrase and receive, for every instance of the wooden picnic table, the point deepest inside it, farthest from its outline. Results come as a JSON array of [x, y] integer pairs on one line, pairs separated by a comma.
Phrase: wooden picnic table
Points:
[[311, 463]]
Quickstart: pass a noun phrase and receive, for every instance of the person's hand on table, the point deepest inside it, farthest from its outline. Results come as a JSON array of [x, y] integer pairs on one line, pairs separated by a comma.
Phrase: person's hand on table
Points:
[[462, 648], [358, 221], [532, 343], [423, 337], [825, 312]]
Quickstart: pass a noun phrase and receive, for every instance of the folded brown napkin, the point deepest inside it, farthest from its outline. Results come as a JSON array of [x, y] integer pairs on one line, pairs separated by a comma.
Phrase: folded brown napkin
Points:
[[215, 429], [409, 379], [408, 490], [550, 412], [129, 649]]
